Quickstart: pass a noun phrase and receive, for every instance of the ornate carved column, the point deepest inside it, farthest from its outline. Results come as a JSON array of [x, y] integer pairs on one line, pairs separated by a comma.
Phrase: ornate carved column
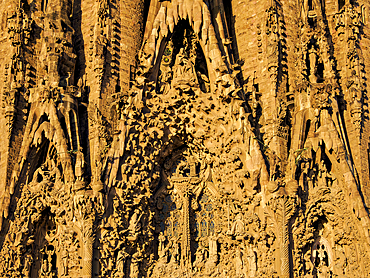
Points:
[[184, 186], [281, 208], [88, 241], [181, 185], [185, 242], [85, 215]]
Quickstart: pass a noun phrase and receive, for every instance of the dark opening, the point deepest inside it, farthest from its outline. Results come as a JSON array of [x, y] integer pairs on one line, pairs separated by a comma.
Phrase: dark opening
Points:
[[310, 6], [308, 125], [289, 143], [43, 153], [118, 88], [341, 3], [258, 187], [44, 5], [197, 168], [228, 14], [25, 6], [320, 72], [145, 14], [326, 160]]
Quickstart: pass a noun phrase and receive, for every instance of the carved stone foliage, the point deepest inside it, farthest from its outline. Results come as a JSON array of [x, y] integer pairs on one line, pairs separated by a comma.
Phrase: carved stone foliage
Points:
[[193, 194], [200, 165], [46, 243]]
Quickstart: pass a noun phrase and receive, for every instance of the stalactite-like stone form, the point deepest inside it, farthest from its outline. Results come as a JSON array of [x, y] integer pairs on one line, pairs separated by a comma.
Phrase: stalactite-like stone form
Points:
[[184, 138]]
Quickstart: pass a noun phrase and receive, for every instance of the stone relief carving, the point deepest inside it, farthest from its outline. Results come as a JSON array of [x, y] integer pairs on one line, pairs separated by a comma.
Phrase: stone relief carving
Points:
[[194, 169]]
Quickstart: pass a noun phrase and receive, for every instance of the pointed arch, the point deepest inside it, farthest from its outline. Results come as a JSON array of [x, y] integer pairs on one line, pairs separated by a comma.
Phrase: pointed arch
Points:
[[322, 244], [198, 15], [43, 124], [182, 64]]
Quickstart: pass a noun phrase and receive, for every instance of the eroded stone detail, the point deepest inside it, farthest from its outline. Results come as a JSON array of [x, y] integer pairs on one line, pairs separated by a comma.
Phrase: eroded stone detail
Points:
[[207, 162]]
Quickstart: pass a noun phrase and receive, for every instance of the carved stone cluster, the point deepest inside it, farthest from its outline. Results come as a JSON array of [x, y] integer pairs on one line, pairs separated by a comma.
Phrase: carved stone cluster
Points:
[[184, 138]]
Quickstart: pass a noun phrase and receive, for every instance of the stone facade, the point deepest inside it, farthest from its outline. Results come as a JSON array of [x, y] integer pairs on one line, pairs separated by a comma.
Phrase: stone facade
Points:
[[184, 138]]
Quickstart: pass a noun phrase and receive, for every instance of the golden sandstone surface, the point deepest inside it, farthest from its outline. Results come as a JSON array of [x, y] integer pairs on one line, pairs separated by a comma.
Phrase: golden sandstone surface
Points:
[[184, 138]]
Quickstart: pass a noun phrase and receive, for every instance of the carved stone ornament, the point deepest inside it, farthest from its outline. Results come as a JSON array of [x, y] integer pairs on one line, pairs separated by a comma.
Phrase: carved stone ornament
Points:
[[184, 138]]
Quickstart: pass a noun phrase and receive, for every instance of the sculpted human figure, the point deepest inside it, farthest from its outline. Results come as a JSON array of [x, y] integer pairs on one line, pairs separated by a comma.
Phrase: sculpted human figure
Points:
[[313, 60], [273, 43], [100, 48], [80, 164], [44, 270], [175, 252], [183, 71], [135, 224], [303, 177], [323, 270], [238, 263], [251, 264], [322, 174], [27, 265], [101, 43], [199, 258], [274, 162], [237, 228], [355, 97], [311, 178], [121, 261], [64, 257], [40, 171], [98, 169], [165, 78], [213, 252], [134, 267], [161, 246], [54, 174]]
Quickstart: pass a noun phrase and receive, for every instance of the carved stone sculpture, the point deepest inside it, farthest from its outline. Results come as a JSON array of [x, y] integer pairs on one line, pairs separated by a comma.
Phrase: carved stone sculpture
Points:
[[184, 138]]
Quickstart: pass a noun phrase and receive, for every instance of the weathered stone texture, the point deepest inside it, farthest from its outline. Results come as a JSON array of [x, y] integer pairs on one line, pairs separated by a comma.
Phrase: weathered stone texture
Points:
[[184, 138]]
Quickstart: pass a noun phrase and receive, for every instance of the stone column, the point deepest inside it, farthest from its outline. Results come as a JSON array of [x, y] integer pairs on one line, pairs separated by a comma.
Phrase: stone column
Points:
[[132, 22], [88, 242], [185, 243]]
